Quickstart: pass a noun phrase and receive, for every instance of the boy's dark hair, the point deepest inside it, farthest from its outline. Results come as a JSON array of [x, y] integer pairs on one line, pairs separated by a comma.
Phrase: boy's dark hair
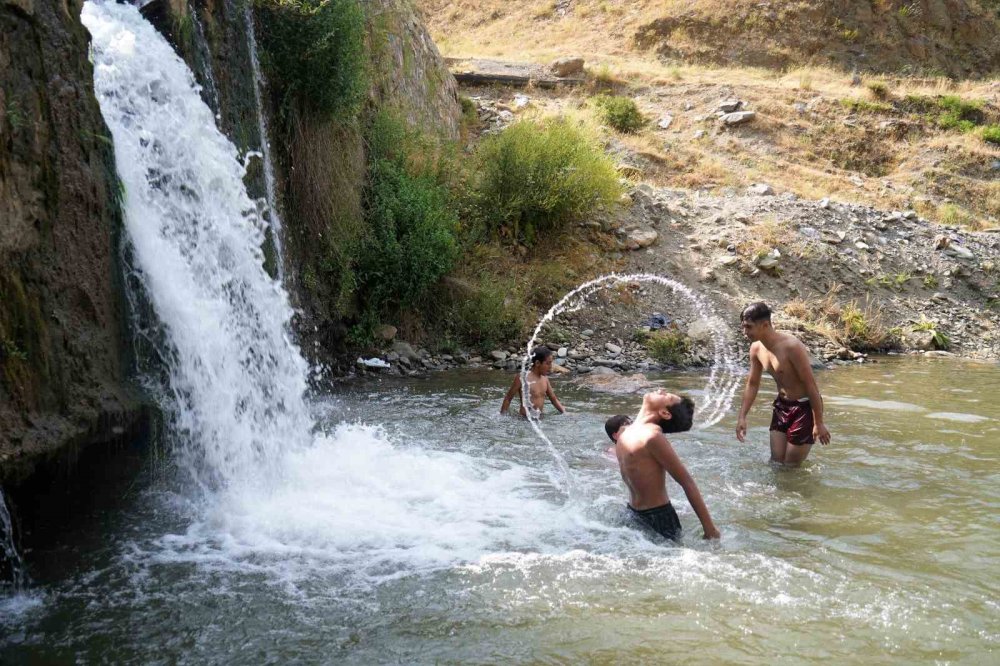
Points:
[[614, 424], [539, 354], [756, 312], [681, 416]]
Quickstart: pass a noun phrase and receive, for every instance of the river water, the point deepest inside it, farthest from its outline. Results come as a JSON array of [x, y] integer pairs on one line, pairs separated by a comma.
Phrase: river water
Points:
[[425, 528]]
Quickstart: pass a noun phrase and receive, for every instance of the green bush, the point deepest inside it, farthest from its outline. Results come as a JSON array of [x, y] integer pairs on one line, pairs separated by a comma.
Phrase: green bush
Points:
[[536, 177], [410, 240], [488, 316], [669, 347], [620, 113], [991, 134], [313, 54]]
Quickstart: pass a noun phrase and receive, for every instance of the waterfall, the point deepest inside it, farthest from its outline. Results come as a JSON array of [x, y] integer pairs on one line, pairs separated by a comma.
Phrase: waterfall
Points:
[[8, 549], [265, 145], [236, 378]]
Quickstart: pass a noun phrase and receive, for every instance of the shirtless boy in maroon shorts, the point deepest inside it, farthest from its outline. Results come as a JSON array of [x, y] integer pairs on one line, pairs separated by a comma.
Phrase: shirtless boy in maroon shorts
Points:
[[797, 420]]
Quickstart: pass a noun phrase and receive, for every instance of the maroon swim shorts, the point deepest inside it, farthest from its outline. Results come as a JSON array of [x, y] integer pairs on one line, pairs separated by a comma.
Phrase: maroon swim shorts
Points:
[[795, 419]]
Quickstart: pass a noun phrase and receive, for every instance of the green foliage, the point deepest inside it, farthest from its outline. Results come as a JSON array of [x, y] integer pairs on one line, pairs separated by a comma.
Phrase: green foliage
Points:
[[10, 350], [949, 112], [878, 89], [991, 134], [470, 116], [867, 106], [620, 113], [313, 52], [669, 347], [537, 177], [941, 341], [15, 116], [930, 281], [488, 316], [411, 222]]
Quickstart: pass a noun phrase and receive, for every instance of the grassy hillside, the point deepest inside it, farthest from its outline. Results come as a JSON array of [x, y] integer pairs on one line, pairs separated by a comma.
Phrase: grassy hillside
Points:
[[957, 38]]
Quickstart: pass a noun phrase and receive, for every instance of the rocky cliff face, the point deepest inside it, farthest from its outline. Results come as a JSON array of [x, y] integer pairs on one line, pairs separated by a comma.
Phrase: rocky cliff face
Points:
[[62, 311]]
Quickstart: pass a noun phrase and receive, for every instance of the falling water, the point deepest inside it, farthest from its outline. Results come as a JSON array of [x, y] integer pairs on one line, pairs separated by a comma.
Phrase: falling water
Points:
[[236, 377], [265, 145], [8, 550], [724, 375], [204, 54]]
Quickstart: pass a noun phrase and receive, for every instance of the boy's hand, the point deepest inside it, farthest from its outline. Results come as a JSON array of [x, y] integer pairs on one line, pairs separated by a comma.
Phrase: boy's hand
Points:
[[821, 433], [712, 533], [741, 430]]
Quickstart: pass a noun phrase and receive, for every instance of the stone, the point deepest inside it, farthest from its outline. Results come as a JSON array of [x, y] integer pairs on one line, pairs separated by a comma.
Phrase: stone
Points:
[[629, 170], [919, 340], [861, 245], [730, 105], [563, 352], [392, 357], [664, 122], [738, 118], [405, 351], [498, 355], [567, 66], [386, 332], [613, 348], [641, 238], [760, 189], [833, 237], [700, 330], [586, 332], [938, 353], [769, 260], [824, 204], [698, 134], [728, 260], [603, 370], [521, 101], [959, 251]]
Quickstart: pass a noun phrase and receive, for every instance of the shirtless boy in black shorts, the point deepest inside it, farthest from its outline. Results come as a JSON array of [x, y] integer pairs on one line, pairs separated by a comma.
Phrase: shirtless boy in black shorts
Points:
[[645, 457], [797, 418]]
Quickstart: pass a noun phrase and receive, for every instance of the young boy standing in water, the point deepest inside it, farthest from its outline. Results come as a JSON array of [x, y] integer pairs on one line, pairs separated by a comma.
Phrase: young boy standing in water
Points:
[[645, 457], [539, 387], [797, 418]]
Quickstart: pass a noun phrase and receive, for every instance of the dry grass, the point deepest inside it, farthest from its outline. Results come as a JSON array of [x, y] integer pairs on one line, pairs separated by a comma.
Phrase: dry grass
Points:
[[857, 326]]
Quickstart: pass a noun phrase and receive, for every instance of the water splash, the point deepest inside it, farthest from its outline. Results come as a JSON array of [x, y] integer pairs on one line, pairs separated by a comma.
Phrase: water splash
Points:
[[8, 550], [724, 376], [236, 378], [265, 145], [204, 55]]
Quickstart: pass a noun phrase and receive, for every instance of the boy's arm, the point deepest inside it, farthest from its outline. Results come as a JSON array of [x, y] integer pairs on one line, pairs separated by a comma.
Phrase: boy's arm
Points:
[[514, 389], [749, 393], [553, 399], [664, 454], [800, 360]]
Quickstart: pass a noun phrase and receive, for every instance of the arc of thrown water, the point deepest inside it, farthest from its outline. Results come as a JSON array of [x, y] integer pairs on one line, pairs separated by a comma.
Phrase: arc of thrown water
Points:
[[723, 378]]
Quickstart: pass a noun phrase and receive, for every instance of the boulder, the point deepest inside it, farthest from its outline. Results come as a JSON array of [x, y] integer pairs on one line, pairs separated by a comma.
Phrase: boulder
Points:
[[498, 355], [919, 340], [760, 189], [386, 332], [738, 118], [665, 121], [613, 348], [700, 330], [769, 260], [567, 66], [405, 351], [730, 105], [641, 238]]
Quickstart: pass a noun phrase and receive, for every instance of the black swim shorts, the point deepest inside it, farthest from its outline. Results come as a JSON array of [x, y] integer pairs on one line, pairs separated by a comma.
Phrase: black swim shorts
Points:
[[662, 519]]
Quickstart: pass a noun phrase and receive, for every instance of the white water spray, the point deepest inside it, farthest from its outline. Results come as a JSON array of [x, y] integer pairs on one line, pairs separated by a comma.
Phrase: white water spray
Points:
[[237, 378], [724, 375], [8, 549], [265, 145]]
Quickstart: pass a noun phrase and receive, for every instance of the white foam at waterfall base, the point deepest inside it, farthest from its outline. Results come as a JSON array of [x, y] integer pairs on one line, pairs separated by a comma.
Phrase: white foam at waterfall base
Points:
[[236, 379]]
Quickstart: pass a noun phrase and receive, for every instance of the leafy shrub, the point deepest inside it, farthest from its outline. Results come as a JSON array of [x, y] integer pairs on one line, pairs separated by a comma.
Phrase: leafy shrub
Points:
[[940, 340], [878, 89], [410, 241], [313, 53], [620, 113], [536, 177], [669, 347], [991, 134]]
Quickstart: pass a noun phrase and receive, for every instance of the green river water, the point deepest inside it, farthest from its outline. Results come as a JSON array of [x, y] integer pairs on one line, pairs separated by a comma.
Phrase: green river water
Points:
[[440, 532]]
